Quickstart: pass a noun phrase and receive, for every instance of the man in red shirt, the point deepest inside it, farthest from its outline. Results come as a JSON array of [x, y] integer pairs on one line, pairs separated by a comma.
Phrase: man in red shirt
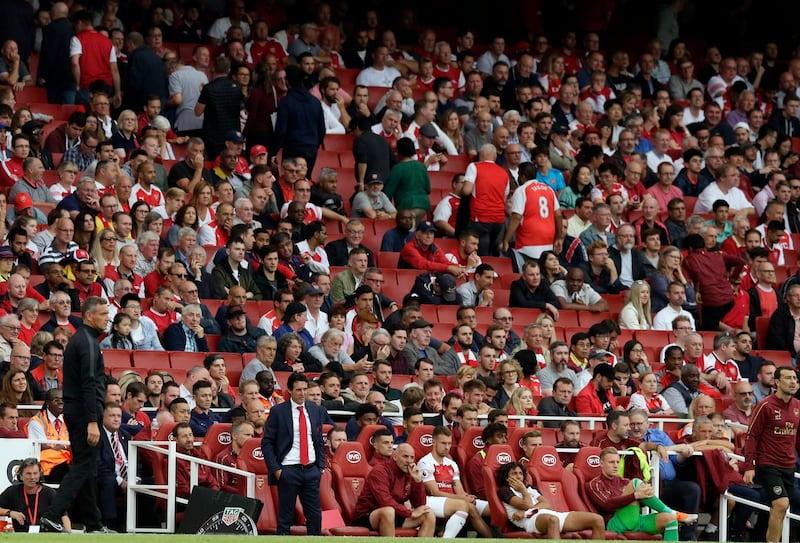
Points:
[[494, 434], [162, 311], [381, 505], [620, 501], [184, 438], [596, 397], [240, 433], [159, 277], [487, 183], [422, 254], [772, 438]]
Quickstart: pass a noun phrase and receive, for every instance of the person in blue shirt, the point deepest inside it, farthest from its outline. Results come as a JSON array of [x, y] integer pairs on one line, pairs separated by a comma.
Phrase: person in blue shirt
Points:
[[544, 172], [202, 417], [682, 495]]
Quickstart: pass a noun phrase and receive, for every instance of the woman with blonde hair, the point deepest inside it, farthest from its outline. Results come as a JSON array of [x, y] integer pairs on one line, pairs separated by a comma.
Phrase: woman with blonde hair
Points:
[[67, 174], [124, 138], [465, 374], [521, 403], [104, 249], [509, 374], [635, 315], [126, 378], [551, 80], [548, 327]]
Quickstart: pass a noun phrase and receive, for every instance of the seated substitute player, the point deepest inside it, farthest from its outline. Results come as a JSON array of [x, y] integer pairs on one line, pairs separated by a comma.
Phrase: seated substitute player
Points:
[[446, 495], [620, 501], [527, 508]]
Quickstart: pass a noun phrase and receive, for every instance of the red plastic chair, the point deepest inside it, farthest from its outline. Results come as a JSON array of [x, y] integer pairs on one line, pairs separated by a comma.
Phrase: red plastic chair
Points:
[[469, 444], [496, 456], [421, 438], [365, 438], [349, 469], [216, 440]]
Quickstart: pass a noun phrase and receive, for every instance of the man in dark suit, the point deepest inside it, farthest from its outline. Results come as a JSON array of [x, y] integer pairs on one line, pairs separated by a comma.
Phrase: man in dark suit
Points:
[[295, 455], [112, 464], [640, 268], [339, 250], [144, 77]]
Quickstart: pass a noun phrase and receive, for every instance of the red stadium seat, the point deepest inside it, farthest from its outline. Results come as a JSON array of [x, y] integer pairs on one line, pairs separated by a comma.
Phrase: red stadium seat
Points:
[[421, 438], [116, 358], [387, 259], [148, 359], [339, 143], [469, 444], [496, 456], [456, 163], [365, 438], [588, 318], [217, 439], [547, 472], [569, 319], [350, 469]]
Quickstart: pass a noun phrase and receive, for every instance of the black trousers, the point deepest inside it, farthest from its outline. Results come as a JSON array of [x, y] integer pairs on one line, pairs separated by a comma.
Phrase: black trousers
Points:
[[303, 482], [78, 488], [490, 234], [682, 496]]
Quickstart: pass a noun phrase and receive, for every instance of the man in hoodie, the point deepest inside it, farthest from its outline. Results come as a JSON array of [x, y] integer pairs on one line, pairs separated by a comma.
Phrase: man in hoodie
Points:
[[300, 126]]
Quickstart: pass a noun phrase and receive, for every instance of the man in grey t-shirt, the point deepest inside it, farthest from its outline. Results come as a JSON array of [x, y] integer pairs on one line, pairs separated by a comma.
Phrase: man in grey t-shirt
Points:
[[185, 85]]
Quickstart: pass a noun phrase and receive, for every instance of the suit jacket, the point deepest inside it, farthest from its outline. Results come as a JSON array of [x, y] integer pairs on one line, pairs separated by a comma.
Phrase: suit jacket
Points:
[[338, 253], [278, 435], [640, 267], [106, 463], [175, 339]]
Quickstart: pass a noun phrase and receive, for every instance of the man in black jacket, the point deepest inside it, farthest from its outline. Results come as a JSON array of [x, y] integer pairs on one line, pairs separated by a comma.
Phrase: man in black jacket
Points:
[[300, 125], [84, 397], [530, 291], [635, 266]]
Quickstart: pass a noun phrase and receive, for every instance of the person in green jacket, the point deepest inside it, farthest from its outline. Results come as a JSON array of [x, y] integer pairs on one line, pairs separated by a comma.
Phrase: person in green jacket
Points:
[[408, 184]]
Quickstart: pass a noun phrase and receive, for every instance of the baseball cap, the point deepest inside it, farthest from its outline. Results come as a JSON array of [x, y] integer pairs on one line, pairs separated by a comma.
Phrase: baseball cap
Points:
[[234, 311], [591, 130], [257, 150], [447, 287], [428, 130], [373, 181], [420, 323], [560, 129], [233, 135], [600, 353], [22, 201], [314, 291], [605, 370], [294, 308], [5, 252], [426, 226], [31, 126], [81, 255]]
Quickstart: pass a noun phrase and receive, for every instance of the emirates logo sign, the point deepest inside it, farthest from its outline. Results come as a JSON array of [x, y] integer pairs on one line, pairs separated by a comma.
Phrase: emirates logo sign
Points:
[[224, 438], [354, 457], [503, 458], [549, 460]]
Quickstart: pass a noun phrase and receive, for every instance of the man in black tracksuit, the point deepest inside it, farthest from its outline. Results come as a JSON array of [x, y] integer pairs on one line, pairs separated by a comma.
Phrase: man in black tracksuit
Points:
[[84, 396]]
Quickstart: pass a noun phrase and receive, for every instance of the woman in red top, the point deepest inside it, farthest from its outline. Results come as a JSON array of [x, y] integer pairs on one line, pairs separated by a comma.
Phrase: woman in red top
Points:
[[648, 397], [673, 121], [28, 310]]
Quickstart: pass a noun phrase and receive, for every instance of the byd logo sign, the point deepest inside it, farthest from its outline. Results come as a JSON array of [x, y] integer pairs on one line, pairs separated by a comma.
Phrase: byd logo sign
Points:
[[258, 454], [426, 440], [593, 461], [354, 457], [478, 443], [224, 438], [549, 460], [503, 458]]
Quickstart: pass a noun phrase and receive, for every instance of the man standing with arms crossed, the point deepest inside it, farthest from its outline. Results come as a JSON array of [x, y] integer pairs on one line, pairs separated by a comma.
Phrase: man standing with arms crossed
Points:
[[295, 455], [84, 397], [772, 438]]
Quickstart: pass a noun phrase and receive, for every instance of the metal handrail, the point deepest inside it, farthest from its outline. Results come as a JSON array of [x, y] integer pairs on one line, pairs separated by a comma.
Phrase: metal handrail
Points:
[[170, 496]]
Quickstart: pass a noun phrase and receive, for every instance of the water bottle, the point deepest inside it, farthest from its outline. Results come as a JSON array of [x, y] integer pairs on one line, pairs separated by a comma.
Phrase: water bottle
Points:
[[154, 429], [9, 525]]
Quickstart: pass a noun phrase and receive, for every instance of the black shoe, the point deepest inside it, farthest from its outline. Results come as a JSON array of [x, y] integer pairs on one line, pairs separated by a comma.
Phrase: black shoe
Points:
[[497, 533], [101, 530], [48, 525]]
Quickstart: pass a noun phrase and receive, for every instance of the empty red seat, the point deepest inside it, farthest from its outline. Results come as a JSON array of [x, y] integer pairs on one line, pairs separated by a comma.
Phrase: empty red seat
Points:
[[217, 439]]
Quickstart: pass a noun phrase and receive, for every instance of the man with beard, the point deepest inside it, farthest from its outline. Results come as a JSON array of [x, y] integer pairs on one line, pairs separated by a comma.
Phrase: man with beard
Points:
[[570, 439]]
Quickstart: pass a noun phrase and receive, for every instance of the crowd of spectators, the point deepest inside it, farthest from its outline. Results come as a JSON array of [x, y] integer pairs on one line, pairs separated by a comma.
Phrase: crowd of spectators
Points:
[[187, 180]]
